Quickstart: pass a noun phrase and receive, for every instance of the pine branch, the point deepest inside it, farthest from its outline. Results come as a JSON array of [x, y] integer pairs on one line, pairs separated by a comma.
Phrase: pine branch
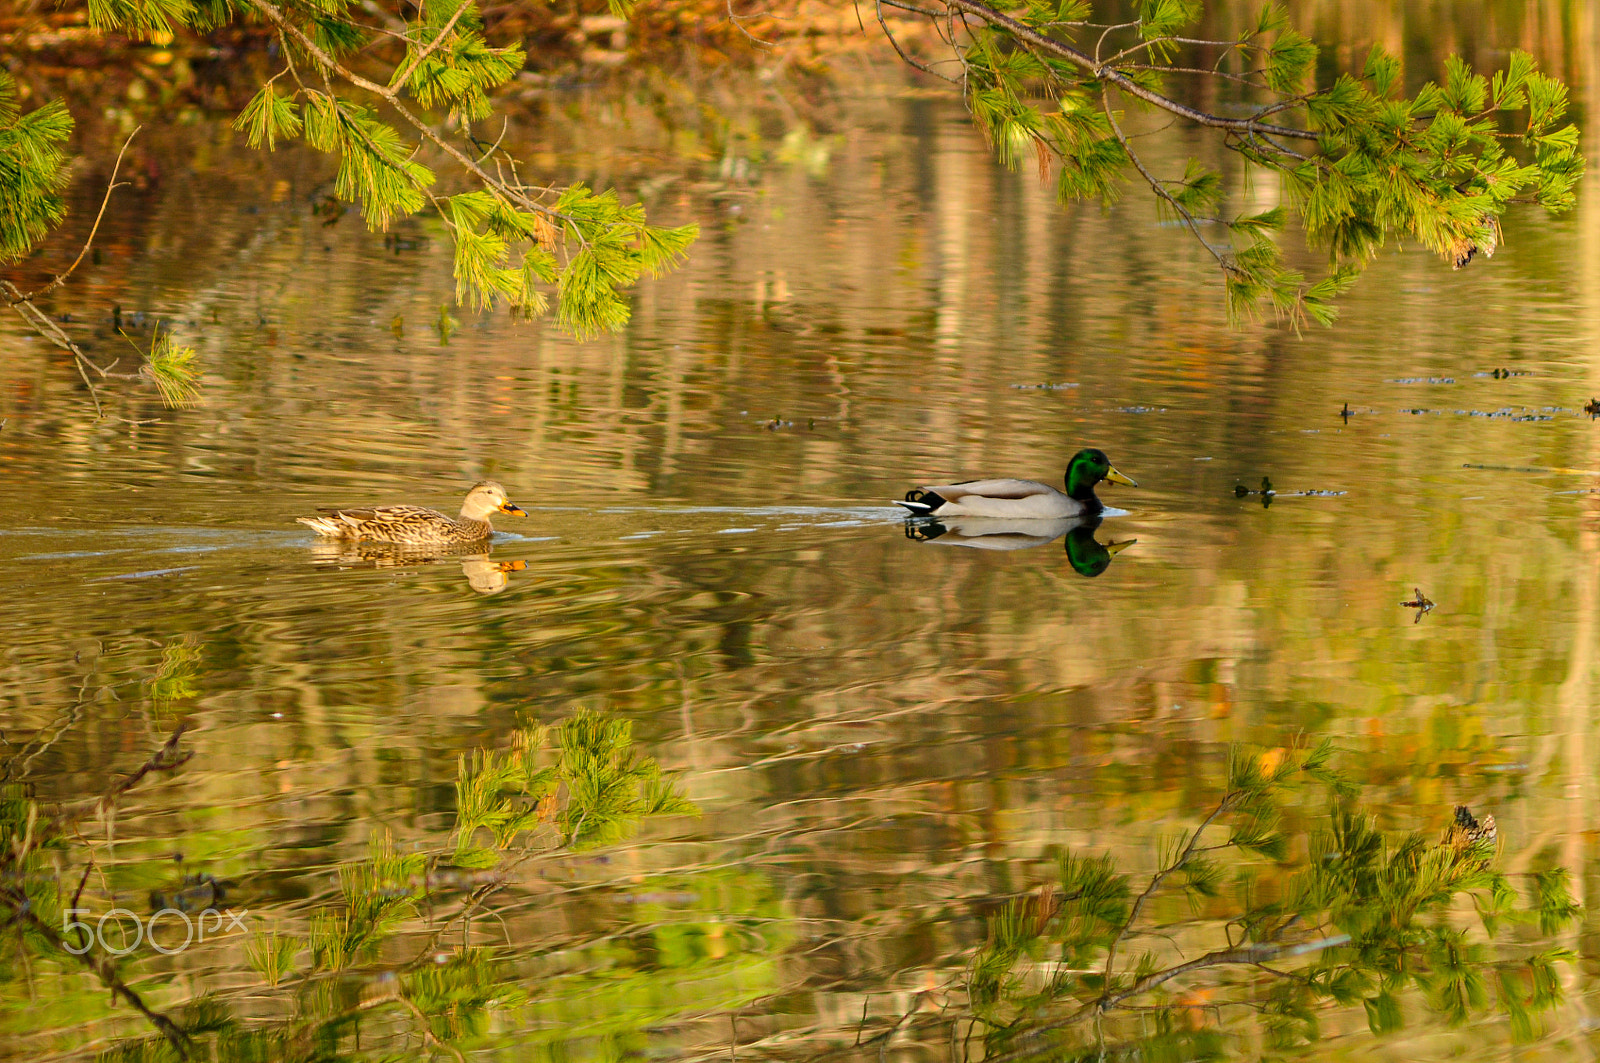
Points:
[[392, 98], [1095, 68]]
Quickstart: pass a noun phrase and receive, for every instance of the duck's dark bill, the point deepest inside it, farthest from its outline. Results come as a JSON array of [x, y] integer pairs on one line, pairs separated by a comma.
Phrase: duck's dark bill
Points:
[[513, 509]]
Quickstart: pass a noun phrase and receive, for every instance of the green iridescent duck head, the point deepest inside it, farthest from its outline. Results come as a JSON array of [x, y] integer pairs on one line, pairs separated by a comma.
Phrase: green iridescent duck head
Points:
[[1088, 467]]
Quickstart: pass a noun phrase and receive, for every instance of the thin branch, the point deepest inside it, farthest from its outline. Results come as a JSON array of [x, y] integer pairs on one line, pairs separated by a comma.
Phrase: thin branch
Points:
[[1088, 63], [111, 186], [1243, 79], [1160, 189], [878, 8], [1250, 954], [40, 322], [106, 971], [738, 20], [1108, 31], [1152, 42], [164, 759], [1188, 851], [913, 8]]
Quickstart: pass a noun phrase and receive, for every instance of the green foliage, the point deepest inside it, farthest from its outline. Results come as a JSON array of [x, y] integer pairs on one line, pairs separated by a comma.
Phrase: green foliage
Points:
[[272, 955], [173, 370], [269, 116], [140, 18], [590, 248], [378, 894], [1360, 918], [32, 170], [1360, 164], [610, 787]]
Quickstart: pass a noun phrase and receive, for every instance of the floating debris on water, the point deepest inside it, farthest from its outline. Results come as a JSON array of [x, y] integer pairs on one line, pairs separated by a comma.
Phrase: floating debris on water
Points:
[[1141, 409], [1043, 387], [1505, 374], [1511, 414], [1592, 408], [1421, 604], [1266, 492], [1350, 411], [1423, 380], [1531, 468]]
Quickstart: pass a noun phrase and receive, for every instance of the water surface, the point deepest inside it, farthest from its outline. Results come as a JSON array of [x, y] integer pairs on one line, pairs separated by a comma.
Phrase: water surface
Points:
[[886, 737]]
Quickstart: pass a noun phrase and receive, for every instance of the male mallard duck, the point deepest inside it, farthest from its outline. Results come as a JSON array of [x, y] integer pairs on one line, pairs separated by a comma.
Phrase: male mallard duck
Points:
[[414, 525], [1021, 498]]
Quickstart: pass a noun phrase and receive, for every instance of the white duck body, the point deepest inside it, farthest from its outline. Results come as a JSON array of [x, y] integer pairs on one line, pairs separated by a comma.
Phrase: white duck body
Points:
[[1007, 499]]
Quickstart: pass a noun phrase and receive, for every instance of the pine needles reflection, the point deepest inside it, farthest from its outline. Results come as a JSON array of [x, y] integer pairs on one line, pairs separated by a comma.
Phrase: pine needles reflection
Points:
[[388, 960], [1080, 970], [1249, 931]]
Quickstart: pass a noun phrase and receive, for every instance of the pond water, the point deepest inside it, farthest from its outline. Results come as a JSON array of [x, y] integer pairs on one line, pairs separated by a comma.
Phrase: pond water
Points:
[[886, 736]]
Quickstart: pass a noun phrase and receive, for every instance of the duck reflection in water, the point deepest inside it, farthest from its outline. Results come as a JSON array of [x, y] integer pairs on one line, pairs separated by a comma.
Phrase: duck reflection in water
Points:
[[1087, 555], [484, 575]]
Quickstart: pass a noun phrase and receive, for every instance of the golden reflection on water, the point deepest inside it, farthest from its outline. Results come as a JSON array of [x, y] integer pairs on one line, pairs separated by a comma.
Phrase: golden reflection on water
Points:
[[885, 738]]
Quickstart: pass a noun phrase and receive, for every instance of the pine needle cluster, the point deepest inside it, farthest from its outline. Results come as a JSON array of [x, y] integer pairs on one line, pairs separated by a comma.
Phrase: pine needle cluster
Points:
[[1361, 163], [32, 170]]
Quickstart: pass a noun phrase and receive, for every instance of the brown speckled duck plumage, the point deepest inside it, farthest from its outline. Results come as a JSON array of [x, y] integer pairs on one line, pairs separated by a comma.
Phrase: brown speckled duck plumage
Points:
[[416, 526]]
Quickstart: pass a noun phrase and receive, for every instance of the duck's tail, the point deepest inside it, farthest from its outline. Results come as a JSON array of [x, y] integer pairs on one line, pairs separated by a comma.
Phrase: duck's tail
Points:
[[919, 501], [322, 526]]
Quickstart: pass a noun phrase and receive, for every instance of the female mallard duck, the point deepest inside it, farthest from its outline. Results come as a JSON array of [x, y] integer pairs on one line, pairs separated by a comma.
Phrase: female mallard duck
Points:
[[1021, 498], [415, 526]]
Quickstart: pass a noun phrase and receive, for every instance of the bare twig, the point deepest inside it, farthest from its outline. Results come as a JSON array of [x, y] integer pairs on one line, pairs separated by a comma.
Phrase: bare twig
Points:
[[878, 7], [106, 971], [1152, 42], [1193, 226], [164, 759], [1025, 33], [40, 322], [1159, 877], [738, 21], [111, 186]]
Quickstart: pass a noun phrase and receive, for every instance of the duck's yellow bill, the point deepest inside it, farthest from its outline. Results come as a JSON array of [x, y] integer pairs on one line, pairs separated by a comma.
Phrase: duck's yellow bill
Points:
[[513, 509], [1116, 548], [1117, 478]]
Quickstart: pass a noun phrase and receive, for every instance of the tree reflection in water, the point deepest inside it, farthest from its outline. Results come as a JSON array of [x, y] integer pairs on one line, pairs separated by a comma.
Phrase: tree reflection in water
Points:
[[1286, 934], [1085, 969]]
